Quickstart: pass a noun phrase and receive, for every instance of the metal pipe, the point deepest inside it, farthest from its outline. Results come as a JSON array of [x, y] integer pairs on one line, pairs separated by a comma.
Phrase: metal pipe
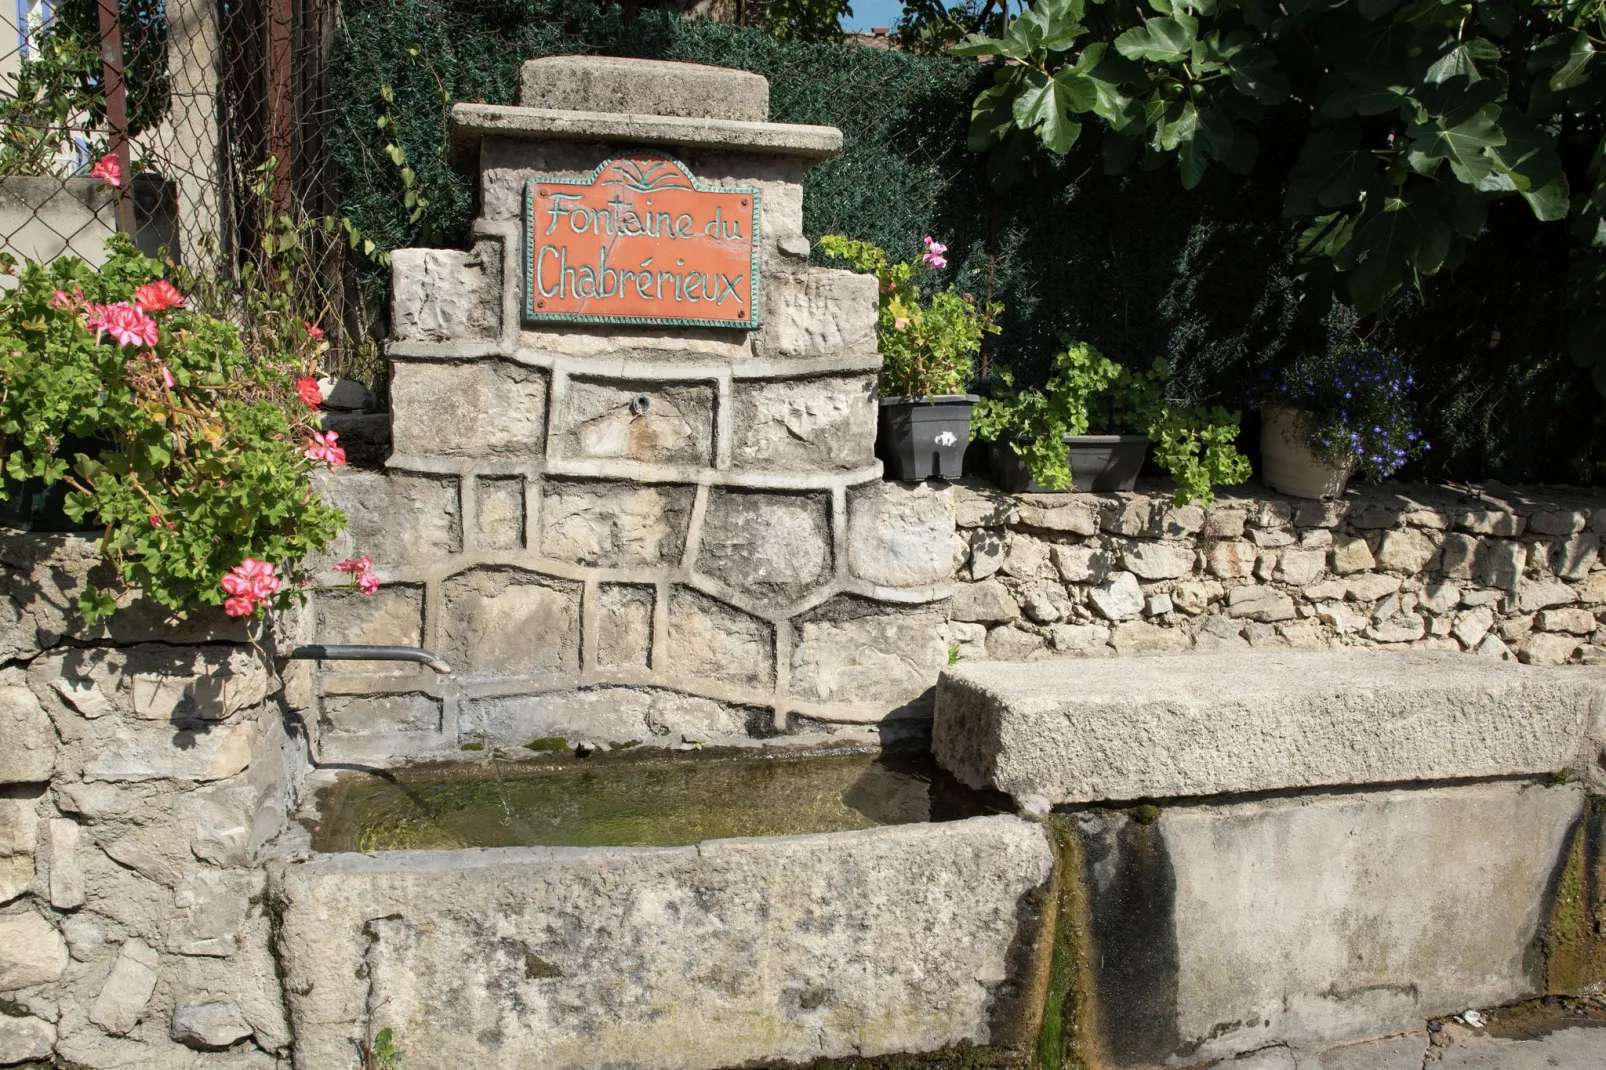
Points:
[[321, 652]]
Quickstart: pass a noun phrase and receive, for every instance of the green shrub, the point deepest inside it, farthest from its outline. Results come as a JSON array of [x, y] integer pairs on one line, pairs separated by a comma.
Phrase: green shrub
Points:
[[1088, 391], [928, 347], [194, 454]]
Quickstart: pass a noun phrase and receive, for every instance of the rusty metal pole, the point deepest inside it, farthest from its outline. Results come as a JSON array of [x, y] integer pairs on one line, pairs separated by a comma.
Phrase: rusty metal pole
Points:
[[116, 86], [281, 98]]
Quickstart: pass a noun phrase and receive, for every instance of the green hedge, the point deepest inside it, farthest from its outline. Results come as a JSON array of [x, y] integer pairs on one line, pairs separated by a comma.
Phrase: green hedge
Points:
[[1132, 263]]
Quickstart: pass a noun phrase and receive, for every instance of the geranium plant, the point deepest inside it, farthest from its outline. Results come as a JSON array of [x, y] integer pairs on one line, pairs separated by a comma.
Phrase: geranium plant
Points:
[[1088, 390], [928, 344], [185, 441], [1353, 408]]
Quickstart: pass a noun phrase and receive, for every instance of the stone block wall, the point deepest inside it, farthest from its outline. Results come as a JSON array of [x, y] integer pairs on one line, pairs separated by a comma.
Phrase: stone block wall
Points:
[[1498, 571], [683, 527], [144, 769]]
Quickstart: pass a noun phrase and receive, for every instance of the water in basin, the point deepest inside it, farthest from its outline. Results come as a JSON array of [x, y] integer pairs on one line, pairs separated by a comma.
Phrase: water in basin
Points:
[[635, 799]]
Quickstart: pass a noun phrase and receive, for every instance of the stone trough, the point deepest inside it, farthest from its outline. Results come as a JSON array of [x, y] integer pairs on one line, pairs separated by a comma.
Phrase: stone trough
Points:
[[726, 953]]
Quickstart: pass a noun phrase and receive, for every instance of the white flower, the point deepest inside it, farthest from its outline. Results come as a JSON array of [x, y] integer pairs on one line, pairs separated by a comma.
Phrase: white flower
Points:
[[946, 439]]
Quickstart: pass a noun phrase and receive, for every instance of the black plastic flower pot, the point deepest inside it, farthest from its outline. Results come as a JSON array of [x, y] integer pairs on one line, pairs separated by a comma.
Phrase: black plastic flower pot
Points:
[[1106, 462], [1009, 471], [1097, 463], [922, 438]]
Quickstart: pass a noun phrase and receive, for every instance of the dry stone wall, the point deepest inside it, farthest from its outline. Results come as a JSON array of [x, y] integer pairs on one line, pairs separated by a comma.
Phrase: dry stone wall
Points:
[[145, 769], [1497, 571]]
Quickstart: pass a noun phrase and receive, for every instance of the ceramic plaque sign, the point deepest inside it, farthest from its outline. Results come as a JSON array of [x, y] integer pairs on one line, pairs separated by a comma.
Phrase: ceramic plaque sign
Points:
[[640, 241]]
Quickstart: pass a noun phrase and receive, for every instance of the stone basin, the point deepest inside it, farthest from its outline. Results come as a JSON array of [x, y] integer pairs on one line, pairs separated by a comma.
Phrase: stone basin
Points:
[[636, 799], [889, 921]]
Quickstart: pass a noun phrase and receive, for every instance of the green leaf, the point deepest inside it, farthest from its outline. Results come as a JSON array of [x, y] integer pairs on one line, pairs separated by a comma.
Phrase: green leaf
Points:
[[978, 44], [1159, 40], [1192, 158], [1402, 236], [1046, 26], [1103, 74], [1461, 132], [1178, 124], [1462, 60], [1362, 93], [1527, 162], [95, 604], [1254, 73], [1499, 17], [1326, 236], [1574, 71], [1376, 9], [992, 114], [1332, 170], [1046, 106]]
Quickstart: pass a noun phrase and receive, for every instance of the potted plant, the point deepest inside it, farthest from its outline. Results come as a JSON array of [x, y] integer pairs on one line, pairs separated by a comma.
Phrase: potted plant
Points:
[[187, 444], [927, 350], [1333, 413], [1041, 441]]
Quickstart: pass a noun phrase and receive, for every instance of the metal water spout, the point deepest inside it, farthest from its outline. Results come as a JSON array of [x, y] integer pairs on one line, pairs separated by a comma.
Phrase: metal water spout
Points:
[[324, 652]]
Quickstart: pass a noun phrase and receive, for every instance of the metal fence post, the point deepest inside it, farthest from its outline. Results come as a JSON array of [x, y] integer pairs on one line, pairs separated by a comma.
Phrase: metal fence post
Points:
[[281, 101], [111, 61]]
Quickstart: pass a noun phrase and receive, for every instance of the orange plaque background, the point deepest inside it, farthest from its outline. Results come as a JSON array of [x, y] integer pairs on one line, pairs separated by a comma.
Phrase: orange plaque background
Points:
[[640, 241]]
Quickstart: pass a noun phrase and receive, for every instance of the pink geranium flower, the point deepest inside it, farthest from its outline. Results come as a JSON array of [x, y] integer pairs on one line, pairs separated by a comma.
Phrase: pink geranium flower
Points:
[[248, 583], [326, 449], [933, 254], [158, 296], [362, 570], [63, 299], [108, 169], [313, 331], [130, 326], [307, 388]]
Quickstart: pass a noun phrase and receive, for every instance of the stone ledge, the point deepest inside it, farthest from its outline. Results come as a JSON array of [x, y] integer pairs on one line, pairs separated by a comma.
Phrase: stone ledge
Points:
[[632, 472], [1201, 725], [643, 357], [473, 122], [1475, 508]]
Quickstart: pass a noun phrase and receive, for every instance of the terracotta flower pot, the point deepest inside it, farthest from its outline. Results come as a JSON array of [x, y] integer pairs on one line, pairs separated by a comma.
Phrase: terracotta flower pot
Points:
[[1288, 465]]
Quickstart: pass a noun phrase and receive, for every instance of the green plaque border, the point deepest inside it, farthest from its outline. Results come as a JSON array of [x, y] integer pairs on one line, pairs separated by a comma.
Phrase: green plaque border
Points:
[[531, 315]]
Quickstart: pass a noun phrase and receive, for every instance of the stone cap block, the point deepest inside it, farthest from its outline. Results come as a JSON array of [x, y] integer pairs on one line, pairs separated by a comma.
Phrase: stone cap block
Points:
[[1208, 724], [471, 123], [643, 87]]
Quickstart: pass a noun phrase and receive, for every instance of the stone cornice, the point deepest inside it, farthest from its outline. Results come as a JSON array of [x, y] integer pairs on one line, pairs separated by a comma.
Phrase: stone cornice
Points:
[[471, 123]]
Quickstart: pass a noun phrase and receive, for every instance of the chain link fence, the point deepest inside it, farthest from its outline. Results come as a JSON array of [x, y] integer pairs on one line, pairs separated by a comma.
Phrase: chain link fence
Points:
[[212, 115]]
